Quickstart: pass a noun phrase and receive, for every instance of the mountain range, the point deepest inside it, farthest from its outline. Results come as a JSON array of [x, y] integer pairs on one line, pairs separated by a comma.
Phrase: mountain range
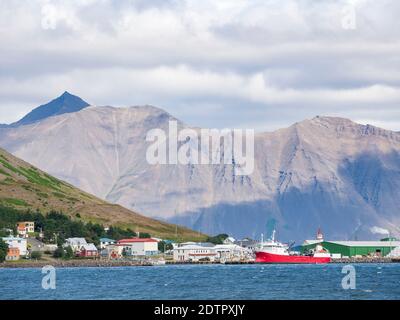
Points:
[[324, 172]]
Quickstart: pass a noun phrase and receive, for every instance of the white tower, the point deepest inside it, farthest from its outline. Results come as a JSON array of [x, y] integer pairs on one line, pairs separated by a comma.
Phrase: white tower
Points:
[[320, 236]]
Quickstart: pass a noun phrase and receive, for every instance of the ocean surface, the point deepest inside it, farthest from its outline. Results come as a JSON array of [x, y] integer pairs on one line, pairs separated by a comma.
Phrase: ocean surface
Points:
[[373, 281]]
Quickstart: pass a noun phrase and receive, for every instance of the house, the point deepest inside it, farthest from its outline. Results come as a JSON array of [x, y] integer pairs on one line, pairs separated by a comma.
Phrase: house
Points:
[[75, 243], [12, 254], [25, 227], [232, 252], [139, 246], [104, 242], [248, 243], [229, 240], [113, 251], [88, 251], [19, 243], [194, 253], [81, 248]]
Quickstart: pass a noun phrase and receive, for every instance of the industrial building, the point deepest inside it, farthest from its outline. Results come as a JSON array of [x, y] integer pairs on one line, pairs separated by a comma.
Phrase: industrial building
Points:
[[139, 246], [354, 248], [194, 253]]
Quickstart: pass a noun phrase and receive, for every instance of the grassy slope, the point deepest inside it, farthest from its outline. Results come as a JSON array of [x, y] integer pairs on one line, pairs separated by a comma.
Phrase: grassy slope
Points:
[[23, 186]]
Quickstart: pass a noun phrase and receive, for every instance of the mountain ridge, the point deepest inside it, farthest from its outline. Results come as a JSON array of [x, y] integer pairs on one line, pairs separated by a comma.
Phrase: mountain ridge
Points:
[[65, 103], [315, 173]]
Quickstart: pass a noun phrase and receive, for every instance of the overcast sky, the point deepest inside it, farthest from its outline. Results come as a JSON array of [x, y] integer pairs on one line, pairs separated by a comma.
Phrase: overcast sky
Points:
[[246, 64]]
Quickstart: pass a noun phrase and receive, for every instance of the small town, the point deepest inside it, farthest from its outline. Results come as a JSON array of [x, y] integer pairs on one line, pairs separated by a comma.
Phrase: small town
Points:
[[27, 246]]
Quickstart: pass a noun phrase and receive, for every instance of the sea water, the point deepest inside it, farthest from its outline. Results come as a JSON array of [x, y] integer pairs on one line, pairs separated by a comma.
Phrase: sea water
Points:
[[372, 281]]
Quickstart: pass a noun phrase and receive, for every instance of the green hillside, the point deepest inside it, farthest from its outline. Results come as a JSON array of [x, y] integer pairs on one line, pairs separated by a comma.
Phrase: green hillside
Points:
[[24, 187]]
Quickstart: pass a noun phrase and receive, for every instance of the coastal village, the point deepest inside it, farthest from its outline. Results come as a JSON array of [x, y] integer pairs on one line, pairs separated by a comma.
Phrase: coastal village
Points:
[[26, 245]]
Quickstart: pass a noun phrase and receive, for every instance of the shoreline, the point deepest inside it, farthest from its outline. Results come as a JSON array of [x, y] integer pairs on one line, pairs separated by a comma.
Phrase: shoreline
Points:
[[75, 264], [111, 264]]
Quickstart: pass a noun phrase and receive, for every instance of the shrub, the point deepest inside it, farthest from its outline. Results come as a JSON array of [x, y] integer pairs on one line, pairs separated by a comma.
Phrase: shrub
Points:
[[37, 255], [59, 253]]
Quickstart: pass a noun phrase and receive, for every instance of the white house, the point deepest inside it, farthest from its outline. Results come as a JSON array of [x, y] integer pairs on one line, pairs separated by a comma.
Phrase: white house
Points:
[[229, 240], [75, 243], [104, 242], [232, 252], [19, 243], [193, 252], [139, 246], [248, 243]]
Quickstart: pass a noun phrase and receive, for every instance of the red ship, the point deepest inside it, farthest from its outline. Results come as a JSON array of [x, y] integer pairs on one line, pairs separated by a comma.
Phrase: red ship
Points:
[[272, 251]]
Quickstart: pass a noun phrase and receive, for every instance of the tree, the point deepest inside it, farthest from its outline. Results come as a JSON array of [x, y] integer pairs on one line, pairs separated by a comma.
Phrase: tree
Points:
[[69, 254], [163, 246], [218, 239], [4, 232], [59, 252], [37, 255], [144, 235], [3, 250]]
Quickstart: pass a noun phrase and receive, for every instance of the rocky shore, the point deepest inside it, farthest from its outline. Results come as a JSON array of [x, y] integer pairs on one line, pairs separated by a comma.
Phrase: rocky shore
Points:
[[74, 263], [123, 263]]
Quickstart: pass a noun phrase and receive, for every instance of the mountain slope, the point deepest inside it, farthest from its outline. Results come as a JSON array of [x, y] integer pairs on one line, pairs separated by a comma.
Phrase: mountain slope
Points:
[[328, 172], [66, 103], [24, 187]]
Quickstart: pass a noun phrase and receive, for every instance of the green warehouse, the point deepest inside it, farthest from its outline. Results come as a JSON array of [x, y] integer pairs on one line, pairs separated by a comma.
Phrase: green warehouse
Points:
[[354, 248]]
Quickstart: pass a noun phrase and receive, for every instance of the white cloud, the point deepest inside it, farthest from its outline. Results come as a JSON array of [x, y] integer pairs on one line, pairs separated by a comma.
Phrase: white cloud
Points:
[[261, 59], [378, 230]]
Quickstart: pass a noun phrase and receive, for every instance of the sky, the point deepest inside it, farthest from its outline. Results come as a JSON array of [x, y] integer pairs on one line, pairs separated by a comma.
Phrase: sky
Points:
[[239, 64]]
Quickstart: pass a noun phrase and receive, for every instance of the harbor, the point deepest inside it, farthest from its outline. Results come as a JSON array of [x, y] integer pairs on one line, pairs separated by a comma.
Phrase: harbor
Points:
[[26, 251]]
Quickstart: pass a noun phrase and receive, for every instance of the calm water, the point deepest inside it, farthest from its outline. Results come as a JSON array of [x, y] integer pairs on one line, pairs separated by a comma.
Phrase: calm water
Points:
[[373, 281]]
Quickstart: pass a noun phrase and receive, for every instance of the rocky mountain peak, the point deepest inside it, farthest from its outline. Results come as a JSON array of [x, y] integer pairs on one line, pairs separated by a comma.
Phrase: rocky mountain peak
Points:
[[66, 103]]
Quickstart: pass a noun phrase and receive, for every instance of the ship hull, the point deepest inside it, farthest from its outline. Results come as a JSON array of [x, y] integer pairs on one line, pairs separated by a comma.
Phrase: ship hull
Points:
[[264, 257]]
